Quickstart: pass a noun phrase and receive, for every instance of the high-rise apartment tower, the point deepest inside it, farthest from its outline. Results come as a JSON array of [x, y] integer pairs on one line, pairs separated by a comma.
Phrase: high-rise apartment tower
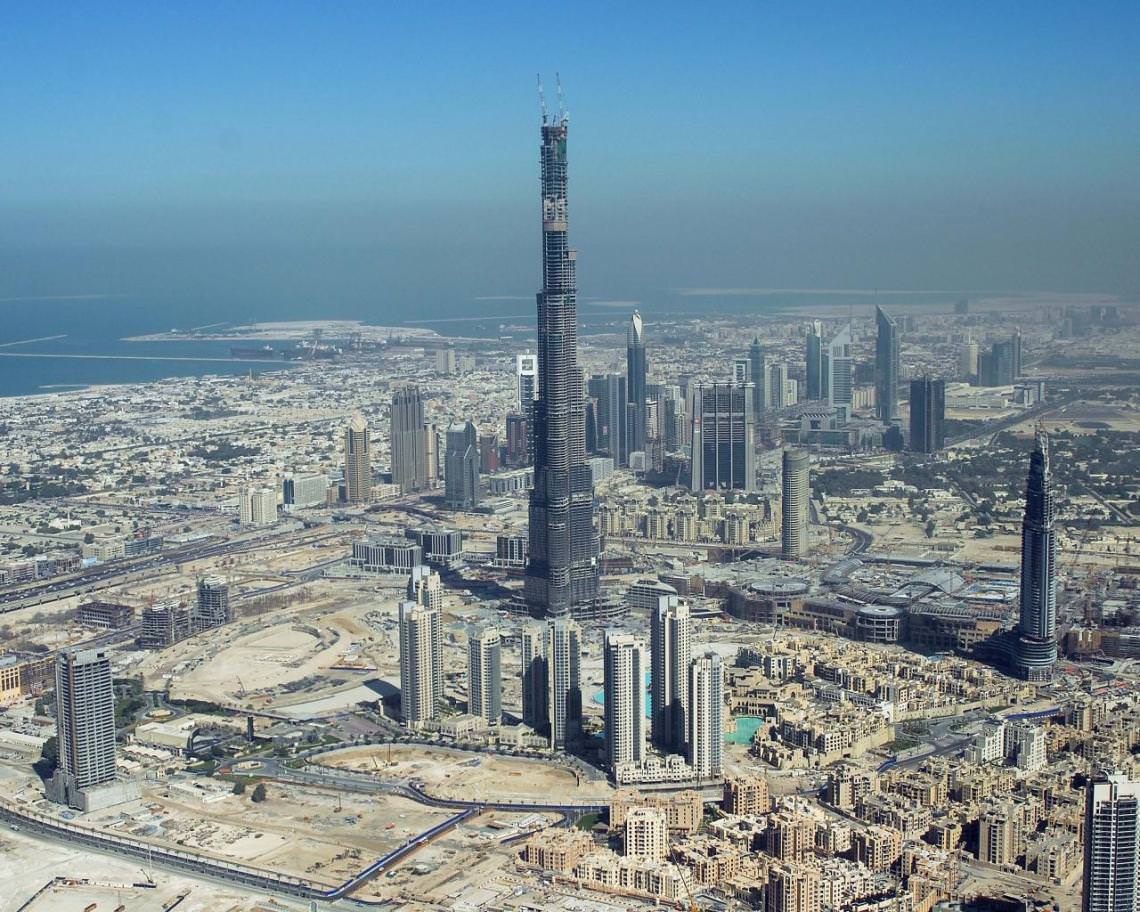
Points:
[[357, 462], [795, 503]]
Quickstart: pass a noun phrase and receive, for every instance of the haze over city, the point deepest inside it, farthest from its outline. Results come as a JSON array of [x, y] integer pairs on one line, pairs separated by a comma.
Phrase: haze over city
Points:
[[292, 156], [569, 458]]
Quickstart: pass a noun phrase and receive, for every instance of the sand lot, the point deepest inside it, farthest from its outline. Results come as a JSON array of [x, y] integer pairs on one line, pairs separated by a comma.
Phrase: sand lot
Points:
[[27, 865], [465, 774]]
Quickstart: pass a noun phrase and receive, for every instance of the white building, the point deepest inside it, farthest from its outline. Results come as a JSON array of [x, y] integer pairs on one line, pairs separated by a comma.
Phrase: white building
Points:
[[85, 724], [257, 507], [485, 676], [670, 632], [646, 833], [563, 682], [706, 738], [421, 663], [625, 665]]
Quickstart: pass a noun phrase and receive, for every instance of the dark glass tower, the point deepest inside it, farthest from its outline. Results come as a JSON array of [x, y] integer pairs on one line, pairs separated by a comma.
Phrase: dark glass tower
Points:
[[927, 415], [759, 370], [562, 570], [816, 362], [635, 382], [886, 366], [1036, 650]]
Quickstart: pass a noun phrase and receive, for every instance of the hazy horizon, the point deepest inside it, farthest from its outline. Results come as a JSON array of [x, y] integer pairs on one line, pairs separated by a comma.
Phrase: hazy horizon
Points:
[[326, 161]]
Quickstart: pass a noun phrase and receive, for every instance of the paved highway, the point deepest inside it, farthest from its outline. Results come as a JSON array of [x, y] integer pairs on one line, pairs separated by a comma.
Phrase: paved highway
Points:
[[107, 574]]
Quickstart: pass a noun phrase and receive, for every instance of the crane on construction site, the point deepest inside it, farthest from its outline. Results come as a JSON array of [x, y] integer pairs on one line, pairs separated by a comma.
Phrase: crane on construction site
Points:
[[693, 907]]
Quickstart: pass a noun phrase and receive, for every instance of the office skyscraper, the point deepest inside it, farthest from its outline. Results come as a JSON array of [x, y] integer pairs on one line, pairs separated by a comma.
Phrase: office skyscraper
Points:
[[421, 663], [461, 465], [840, 370], [886, 366], [758, 372], [795, 504], [533, 677], [724, 457], [357, 462], [610, 391], [670, 649], [777, 385], [562, 569], [635, 383], [1036, 648], [1112, 845], [526, 381], [968, 361], [85, 724], [409, 440], [624, 667], [563, 682], [485, 676], [816, 360], [213, 606], [706, 738], [927, 415]]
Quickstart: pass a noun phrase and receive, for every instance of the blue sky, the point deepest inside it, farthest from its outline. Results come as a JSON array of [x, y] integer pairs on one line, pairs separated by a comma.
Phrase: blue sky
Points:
[[904, 145]]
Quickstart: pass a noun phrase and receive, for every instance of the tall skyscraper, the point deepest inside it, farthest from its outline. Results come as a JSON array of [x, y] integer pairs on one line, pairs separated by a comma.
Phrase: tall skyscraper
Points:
[[886, 366], [520, 438], [1112, 845], [485, 676], [635, 383], [563, 682], [816, 387], [777, 385], [724, 457], [461, 465], [671, 651], [795, 503], [409, 440], [421, 663], [357, 462], [968, 361], [533, 677], [1015, 353], [758, 372], [526, 381], [673, 423], [624, 667], [706, 737], [213, 606], [927, 415], [1036, 648], [612, 415], [840, 369], [85, 724], [562, 569]]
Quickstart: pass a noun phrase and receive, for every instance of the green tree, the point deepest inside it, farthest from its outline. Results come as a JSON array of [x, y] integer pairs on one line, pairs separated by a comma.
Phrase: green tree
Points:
[[239, 788], [258, 793]]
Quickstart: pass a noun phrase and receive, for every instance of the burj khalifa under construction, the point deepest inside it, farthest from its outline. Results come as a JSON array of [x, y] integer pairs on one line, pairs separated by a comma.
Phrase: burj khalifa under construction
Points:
[[562, 569]]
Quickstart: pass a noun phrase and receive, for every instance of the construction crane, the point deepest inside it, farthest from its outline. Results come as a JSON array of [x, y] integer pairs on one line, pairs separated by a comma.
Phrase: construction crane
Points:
[[693, 907], [542, 100]]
